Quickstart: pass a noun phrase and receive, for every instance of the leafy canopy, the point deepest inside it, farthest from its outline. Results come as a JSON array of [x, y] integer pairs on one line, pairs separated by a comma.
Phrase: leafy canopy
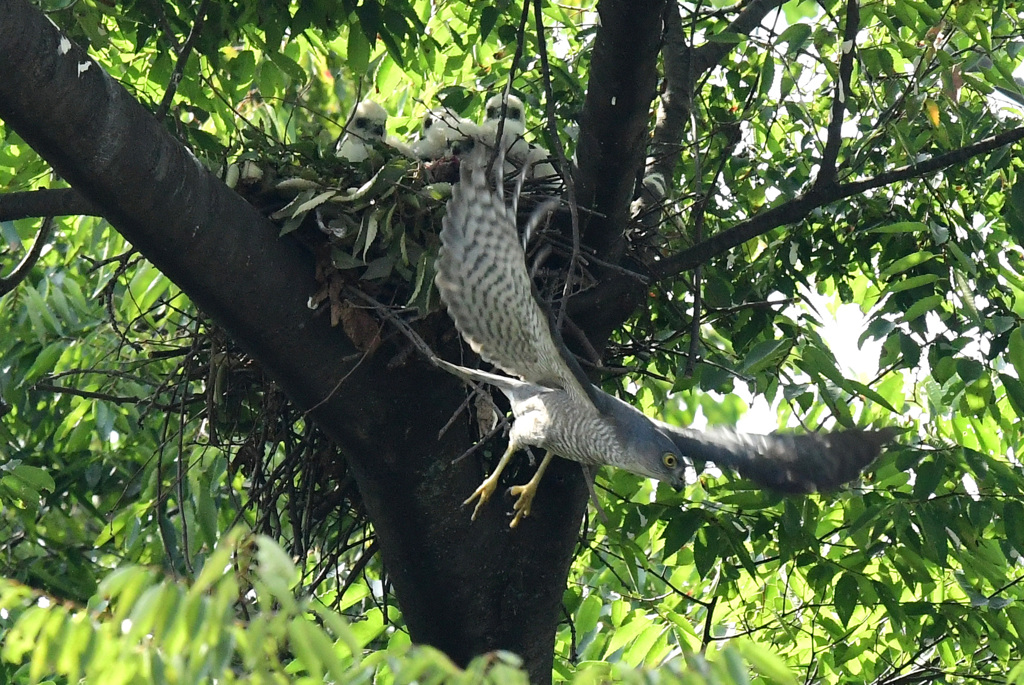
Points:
[[134, 431]]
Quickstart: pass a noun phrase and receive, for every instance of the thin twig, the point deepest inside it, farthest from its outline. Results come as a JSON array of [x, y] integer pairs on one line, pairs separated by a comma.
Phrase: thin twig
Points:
[[21, 272], [563, 164], [106, 397], [828, 171], [520, 40], [425, 350], [358, 567], [351, 115], [184, 52], [706, 640]]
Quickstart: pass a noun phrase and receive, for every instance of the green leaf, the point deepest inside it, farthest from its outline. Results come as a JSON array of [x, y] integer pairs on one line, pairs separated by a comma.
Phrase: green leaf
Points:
[[762, 355], [1015, 350], [588, 613], [908, 262], [929, 474], [964, 260], [923, 306], [846, 593], [705, 551], [726, 37], [935, 535], [379, 268], [795, 36], [911, 283], [680, 529], [1013, 209], [44, 362], [900, 227], [343, 260], [969, 370], [358, 55], [625, 632], [314, 202], [369, 20], [276, 568], [380, 184], [1013, 523], [817, 361], [767, 663], [488, 17], [288, 66], [1014, 393], [868, 392], [36, 478]]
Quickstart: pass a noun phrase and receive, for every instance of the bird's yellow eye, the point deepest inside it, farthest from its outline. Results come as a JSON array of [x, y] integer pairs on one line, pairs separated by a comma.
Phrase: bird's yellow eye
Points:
[[669, 460]]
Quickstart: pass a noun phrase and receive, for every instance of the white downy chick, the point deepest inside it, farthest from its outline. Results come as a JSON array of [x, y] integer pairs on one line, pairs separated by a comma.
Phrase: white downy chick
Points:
[[368, 125], [464, 137], [440, 128], [539, 165], [516, 148]]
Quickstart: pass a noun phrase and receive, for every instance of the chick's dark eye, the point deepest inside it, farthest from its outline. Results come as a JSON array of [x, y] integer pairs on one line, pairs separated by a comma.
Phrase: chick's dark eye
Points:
[[362, 122], [493, 112], [669, 460]]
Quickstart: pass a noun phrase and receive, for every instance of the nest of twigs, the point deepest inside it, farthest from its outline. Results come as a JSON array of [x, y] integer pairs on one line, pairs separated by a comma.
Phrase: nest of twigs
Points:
[[373, 227]]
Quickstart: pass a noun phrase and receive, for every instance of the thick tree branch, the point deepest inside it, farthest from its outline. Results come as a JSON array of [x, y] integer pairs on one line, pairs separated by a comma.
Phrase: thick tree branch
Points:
[[613, 134], [834, 137], [799, 207], [603, 308], [616, 114], [45, 202], [683, 66], [465, 587], [710, 54], [673, 113]]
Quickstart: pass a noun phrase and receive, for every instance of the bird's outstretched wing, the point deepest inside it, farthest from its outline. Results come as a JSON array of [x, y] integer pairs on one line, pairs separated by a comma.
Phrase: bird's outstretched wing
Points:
[[783, 462], [482, 278]]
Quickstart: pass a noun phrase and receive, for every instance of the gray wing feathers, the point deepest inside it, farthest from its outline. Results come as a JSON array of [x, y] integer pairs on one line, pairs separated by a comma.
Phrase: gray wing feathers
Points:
[[784, 462], [482, 278]]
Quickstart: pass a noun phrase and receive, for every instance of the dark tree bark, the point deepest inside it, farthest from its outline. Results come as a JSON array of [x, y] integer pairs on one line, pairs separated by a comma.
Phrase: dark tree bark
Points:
[[465, 587], [46, 202], [612, 144]]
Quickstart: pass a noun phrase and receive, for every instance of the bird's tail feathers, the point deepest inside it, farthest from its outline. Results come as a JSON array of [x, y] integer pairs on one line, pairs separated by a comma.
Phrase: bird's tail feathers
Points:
[[516, 390]]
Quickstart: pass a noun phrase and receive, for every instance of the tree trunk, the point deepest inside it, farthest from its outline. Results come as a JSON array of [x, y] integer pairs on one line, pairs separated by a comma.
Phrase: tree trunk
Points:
[[465, 587]]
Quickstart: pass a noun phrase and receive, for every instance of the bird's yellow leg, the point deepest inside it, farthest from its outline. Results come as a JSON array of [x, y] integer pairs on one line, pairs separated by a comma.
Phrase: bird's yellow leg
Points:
[[526, 493], [490, 484]]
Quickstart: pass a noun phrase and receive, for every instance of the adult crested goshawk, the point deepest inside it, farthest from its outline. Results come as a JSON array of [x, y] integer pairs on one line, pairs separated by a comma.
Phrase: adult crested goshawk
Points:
[[483, 280]]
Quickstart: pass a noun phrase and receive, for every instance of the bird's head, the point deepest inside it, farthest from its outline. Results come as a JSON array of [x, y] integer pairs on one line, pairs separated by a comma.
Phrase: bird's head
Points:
[[515, 123], [648, 451], [369, 121], [660, 458], [439, 124]]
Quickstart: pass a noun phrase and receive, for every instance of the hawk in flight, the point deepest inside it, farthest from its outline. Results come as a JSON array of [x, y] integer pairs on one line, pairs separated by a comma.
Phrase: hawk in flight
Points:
[[483, 281]]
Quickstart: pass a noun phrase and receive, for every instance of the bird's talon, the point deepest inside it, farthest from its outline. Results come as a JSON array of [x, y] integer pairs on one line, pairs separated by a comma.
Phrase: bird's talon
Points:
[[481, 494], [524, 495]]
